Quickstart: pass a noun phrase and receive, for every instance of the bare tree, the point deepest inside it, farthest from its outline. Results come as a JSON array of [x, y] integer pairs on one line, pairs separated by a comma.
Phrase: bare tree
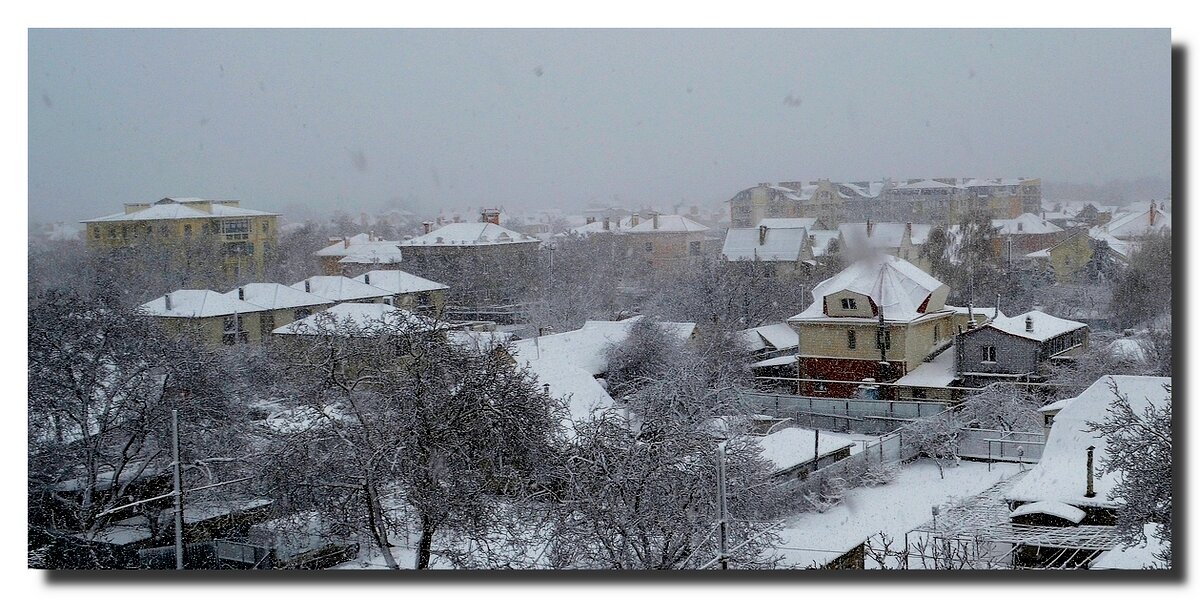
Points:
[[102, 382], [1139, 456], [935, 437], [388, 413]]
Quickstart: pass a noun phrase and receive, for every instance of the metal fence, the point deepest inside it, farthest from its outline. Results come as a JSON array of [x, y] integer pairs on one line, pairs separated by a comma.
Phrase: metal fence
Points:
[[862, 416], [1001, 445]]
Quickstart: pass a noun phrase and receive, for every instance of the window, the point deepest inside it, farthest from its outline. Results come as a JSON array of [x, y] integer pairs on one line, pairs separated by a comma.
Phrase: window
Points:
[[424, 299], [883, 339], [821, 387], [187, 230], [96, 233], [919, 393], [851, 339], [265, 227], [849, 304], [649, 246], [694, 247], [937, 334], [266, 323], [989, 354], [112, 232], [233, 331], [301, 313]]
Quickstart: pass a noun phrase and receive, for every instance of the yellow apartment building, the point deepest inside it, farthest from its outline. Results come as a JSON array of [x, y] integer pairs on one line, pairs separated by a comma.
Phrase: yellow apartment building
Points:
[[240, 237]]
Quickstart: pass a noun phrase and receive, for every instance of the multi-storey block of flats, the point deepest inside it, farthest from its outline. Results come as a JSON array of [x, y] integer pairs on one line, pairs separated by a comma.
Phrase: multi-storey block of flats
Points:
[[240, 238]]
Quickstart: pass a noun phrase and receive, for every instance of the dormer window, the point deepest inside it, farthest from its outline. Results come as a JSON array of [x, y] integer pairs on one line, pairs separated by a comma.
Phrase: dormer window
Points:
[[849, 304]]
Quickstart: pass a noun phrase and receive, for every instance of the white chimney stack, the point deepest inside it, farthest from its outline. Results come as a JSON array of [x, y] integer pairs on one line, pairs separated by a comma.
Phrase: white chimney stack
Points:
[[167, 297]]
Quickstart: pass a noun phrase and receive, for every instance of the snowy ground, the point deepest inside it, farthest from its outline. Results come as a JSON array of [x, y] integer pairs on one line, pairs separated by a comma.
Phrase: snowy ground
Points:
[[894, 509]]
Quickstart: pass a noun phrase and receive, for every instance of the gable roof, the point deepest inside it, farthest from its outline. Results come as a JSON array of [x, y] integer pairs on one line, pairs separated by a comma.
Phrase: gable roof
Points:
[[1061, 475], [469, 234], [1137, 224], [272, 295], [398, 282], [1025, 224], [668, 223], [196, 303], [778, 245], [897, 287], [774, 336], [340, 288], [1045, 326]]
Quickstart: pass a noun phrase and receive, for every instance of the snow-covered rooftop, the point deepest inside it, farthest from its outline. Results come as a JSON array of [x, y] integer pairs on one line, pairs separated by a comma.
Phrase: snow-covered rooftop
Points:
[[790, 447], [1025, 224], [197, 303], [342, 246], [937, 373], [1045, 326], [777, 245], [776, 336], [469, 233], [774, 361], [570, 361], [358, 320], [668, 223], [902, 291], [479, 342], [587, 347], [1061, 475], [398, 282], [615, 225], [172, 208], [340, 288], [1053, 508], [1130, 349], [805, 223], [272, 295], [1142, 556], [1137, 223], [377, 252]]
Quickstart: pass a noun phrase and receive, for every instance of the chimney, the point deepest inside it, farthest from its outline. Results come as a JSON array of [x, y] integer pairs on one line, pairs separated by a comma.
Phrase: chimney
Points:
[[167, 297], [1028, 323], [241, 293], [345, 242], [870, 227], [439, 221], [307, 286], [654, 216], [633, 220], [762, 234], [367, 278], [908, 230], [997, 314], [970, 317], [427, 226], [371, 236], [1152, 210], [1091, 489], [607, 223], [590, 219]]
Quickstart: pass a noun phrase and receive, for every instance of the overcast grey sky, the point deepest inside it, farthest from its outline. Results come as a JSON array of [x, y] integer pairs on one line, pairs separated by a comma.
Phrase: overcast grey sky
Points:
[[354, 119]]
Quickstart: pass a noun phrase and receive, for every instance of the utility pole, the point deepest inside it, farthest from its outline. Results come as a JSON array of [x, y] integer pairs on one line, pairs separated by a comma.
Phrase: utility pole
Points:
[[178, 489], [722, 509]]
